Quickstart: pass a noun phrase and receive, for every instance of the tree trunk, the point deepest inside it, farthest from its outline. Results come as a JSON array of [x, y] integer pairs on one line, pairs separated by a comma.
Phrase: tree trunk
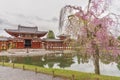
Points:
[[96, 61]]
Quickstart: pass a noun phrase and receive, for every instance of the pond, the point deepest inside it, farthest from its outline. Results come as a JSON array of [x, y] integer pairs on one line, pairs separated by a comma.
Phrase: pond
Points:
[[109, 65]]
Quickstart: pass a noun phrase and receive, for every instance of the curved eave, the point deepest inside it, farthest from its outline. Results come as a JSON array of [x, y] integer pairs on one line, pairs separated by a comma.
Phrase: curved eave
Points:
[[12, 33], [41, 35], [16, 34]]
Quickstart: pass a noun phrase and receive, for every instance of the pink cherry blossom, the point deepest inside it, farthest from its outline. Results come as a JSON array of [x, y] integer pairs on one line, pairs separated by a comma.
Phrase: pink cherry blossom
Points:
[[91, 24]]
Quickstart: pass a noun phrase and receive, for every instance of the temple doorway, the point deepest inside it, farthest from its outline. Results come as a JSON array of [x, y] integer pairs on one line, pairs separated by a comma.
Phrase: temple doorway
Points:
[[27, 43]]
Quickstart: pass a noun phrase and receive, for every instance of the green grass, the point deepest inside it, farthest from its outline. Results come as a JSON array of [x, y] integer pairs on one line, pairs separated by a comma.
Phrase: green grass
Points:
[[63, 73]]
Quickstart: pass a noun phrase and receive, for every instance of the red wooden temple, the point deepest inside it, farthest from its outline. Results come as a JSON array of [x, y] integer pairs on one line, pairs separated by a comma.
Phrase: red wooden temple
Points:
[[26, 37], [30, 37]]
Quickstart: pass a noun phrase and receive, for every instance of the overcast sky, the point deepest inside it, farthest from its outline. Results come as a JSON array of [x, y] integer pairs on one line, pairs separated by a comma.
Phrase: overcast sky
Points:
[[41, 13]]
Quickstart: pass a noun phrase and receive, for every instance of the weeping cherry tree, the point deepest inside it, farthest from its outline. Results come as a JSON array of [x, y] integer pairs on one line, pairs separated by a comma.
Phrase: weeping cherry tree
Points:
[[93, 27]]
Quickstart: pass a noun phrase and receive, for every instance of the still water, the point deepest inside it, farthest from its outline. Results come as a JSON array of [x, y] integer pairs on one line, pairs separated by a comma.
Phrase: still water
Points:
[[109, 65]]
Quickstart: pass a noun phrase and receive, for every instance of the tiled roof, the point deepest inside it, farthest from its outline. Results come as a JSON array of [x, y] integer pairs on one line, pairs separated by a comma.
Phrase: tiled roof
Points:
[[24, 29], [27, 29], [12, 30]]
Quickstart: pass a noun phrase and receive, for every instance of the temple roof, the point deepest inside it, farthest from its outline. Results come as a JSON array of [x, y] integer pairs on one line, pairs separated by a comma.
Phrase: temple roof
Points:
[[25, 30]]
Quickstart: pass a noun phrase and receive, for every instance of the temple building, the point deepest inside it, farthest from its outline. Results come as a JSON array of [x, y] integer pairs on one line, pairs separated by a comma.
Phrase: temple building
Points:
[[26, 37], [61, 43], [31, 37]]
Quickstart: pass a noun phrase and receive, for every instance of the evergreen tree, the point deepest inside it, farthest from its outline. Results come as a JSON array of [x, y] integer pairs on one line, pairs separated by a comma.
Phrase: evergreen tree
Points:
[[51, 35]]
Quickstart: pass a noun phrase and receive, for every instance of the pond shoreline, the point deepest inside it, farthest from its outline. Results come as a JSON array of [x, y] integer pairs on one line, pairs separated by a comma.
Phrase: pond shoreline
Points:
[[32, 52]]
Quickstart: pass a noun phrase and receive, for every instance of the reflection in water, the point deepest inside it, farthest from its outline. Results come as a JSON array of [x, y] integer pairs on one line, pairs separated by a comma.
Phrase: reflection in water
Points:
[[109, 65], [62, 60]]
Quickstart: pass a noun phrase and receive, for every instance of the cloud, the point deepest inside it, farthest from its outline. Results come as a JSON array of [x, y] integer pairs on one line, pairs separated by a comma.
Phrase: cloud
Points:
[[5, 22], [28, 17], [1, 21], [55, 19]]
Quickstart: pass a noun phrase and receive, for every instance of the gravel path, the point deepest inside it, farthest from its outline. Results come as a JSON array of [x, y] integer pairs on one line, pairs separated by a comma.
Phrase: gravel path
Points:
[[7, 73]]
